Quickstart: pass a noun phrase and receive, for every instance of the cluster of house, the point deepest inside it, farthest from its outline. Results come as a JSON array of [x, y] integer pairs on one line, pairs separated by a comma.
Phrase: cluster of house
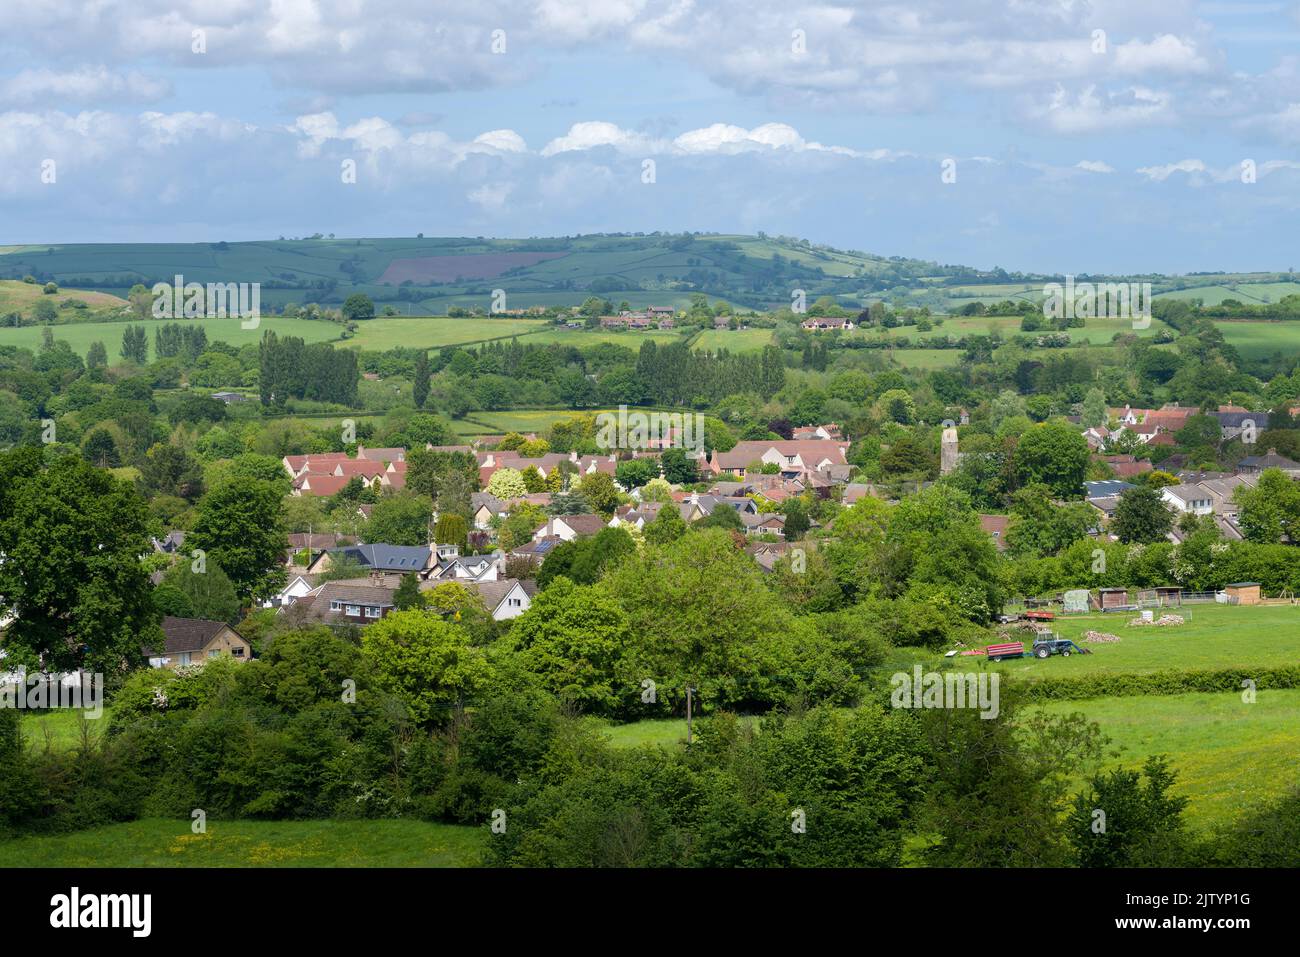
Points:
[[328, 473], [1197, 493], [653, 317], [1156, 427]]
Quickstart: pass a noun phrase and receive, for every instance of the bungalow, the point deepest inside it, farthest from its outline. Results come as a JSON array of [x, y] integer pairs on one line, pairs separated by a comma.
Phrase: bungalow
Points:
[[189, 641]]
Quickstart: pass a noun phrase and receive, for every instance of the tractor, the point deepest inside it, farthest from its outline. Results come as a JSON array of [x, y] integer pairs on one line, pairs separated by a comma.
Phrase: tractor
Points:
[[1047, 645]]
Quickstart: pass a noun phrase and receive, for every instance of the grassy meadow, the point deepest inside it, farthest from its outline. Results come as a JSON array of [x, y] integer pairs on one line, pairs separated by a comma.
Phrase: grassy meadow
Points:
[[166, 843]]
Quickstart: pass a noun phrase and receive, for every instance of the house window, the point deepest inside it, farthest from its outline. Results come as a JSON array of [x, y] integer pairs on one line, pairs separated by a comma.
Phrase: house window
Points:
[[372, 611], [237, 652], [185, 657], [516, 602], [214, 652], [354, 609], [335, 605]]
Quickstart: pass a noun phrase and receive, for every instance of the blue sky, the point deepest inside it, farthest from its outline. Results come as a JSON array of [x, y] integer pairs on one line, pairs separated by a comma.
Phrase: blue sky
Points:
[[1086, 136]]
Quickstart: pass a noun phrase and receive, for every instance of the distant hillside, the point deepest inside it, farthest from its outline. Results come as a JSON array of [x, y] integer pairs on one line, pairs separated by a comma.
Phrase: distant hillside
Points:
[[429, 275]]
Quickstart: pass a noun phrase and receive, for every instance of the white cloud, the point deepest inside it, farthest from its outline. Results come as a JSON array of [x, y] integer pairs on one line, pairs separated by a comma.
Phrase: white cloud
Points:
[[1094, 166], [1162, 173], [88, 85], [1093, 111]]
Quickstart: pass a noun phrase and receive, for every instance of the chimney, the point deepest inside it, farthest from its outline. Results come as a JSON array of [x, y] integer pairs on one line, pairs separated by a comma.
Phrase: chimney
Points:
[[573, 456]]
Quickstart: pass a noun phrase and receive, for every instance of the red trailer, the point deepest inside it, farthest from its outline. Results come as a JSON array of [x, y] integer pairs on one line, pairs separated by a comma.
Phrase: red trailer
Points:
[[1011, 649]]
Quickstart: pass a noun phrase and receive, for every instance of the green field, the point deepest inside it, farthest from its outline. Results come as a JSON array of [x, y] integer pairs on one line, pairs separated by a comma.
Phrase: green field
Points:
[[1249, 293], [429, 332], [1215, 636], [1228, 754], [62, 730], [1257, 339], [583, 338], [166, 843], [733, 340], [81, 334]]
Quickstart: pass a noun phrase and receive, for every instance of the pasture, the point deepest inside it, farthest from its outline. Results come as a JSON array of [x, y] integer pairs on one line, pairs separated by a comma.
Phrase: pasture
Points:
[[1229, 755], [733, 340], [431, 332], [1260, 338], [158, 842], [1214, 636]]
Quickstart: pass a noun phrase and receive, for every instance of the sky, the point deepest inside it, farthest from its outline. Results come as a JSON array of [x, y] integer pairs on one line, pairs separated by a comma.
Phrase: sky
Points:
[[1060, 136]]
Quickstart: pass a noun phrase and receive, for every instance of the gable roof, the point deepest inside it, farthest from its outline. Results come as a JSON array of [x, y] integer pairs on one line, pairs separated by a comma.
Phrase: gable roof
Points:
[[181, 635]]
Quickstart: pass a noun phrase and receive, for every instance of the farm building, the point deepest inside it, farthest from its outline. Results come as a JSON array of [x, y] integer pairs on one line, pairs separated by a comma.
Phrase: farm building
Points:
[[1169, 595], [1243, 593], [1112, 599]]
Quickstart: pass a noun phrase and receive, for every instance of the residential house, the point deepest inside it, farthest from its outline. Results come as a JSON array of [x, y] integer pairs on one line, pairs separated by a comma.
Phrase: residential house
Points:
[[1236, 424], [820, 323], [450, 564], [567, 528], [376, 557], [507, 598], [794, 458], [1254, 464], [189, 641], [1209, 497], [347, 601]]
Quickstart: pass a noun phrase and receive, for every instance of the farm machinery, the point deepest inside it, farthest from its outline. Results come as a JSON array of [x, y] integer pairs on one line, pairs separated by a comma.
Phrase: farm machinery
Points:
[[1045, 645]]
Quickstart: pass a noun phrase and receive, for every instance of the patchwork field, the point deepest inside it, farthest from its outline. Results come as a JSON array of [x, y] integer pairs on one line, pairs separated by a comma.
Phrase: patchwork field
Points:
[[80, 335], [167, 843]]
